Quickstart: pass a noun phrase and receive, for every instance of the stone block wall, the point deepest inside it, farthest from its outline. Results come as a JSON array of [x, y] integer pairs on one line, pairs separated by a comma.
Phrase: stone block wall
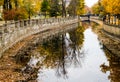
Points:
[[112, 29]]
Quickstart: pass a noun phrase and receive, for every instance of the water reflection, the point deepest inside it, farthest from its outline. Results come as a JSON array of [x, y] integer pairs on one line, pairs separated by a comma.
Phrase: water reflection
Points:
[[113, 67], [69, 60], [62, 51], [59, 53]]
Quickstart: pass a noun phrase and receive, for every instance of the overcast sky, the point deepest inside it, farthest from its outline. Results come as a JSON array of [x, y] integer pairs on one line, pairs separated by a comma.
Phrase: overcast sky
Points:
[[89, 3]]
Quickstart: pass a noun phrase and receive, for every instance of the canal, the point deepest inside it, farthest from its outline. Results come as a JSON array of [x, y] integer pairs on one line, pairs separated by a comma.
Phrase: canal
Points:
[[74, 56]]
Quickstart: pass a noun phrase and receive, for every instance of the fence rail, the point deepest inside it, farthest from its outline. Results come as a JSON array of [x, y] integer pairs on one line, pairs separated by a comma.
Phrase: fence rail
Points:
[[14, 31], [112, 20]]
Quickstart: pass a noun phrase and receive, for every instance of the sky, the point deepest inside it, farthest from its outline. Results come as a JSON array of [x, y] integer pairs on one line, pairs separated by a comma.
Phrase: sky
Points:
[[90, 3]]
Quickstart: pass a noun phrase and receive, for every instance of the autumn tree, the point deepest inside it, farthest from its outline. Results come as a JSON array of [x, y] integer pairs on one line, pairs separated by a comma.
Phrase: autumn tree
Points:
[[76, 7], [72, 8], [20, 9], [111, 6], [96, 8], [80, 7]]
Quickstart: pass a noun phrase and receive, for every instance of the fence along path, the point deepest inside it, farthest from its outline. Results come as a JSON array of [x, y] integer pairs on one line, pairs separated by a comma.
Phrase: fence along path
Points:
[[11, 33]]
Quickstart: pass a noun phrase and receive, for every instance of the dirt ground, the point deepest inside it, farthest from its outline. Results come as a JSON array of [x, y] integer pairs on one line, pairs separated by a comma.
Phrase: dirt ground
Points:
[[9, 70]]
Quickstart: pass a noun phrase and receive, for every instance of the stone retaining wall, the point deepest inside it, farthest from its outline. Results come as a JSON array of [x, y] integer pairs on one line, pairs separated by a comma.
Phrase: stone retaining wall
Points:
[[112, 30], [108, 28], [15, 31]]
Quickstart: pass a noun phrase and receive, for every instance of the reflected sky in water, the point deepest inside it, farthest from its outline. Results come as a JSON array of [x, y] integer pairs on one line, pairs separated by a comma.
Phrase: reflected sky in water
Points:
[[81, 62]]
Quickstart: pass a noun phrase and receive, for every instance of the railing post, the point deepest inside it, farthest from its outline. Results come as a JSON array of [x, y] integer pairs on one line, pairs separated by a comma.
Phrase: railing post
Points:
[[29, 24], [16, 24], [25, 23], [44, 21], [114, 19], [37, 21], [40, 22], [119, 20], [21, 23]]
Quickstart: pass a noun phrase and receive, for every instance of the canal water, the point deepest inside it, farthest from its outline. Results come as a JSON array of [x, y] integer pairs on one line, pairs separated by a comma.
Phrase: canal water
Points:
[[74, 56]]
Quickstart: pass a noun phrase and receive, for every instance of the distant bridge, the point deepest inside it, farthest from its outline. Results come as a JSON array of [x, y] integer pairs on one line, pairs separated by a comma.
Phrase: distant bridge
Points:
[[85, 18], [13, 32]]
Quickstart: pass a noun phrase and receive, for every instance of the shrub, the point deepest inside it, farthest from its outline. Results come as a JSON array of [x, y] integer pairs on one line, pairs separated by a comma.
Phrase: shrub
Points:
[[15, 14], [8, 15]]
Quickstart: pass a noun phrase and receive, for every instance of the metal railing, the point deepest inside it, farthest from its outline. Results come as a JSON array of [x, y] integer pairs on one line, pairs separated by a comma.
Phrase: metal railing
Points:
[[14, 31]]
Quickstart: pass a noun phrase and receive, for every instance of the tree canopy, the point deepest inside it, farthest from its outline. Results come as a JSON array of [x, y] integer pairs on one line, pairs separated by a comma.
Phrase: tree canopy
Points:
[[27, 8], [76, 7], [1, 2], [107, 6], [95, 8], [45, 6], [19, 9], [112, 6], [55, 8]]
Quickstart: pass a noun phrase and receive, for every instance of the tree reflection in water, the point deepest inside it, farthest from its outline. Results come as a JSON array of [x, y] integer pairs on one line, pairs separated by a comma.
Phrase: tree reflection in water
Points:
[[76, 37], [113, 67], [63, 51]]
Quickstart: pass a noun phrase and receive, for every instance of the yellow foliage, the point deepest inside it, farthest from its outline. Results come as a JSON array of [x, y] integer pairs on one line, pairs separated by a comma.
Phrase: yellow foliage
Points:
[[80, 7], [95, 8], [37, 5], [116, 6], [111, 6], [1, 2]]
